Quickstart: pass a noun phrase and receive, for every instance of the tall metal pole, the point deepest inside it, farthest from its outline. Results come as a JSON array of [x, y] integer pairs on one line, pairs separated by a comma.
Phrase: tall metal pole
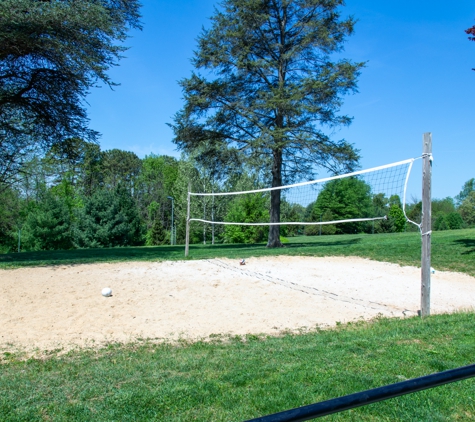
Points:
[[426, 223], [172, 237], [187, 238]]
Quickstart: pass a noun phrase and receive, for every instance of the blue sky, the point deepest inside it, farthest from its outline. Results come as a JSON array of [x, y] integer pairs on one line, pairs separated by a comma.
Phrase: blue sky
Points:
[[418, 79]]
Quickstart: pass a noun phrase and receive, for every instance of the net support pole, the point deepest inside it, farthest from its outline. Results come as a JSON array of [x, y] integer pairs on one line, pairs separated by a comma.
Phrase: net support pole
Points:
[[187, 236], [426, 223]]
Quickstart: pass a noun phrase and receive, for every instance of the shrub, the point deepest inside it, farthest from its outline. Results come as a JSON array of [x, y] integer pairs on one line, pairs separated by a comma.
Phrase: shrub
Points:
[[48, 225], [249, 208], [109, 218]]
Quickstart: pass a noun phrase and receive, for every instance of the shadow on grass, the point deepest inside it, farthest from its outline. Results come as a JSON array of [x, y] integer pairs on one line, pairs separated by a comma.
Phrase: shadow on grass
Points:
[[259, 249], [468, 243], [81, 256], [326, 243], [161, 253], [291, 244]]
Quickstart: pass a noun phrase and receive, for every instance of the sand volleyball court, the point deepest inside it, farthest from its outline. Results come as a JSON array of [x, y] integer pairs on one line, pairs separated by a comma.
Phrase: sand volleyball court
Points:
[[50, 307]]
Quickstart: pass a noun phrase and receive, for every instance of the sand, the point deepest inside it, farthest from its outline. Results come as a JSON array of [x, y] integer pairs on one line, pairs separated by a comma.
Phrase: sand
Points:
[[62, 307]]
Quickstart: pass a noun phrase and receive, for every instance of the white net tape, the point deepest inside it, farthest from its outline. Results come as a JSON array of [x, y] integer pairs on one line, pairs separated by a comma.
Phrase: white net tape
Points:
[[380, 186]]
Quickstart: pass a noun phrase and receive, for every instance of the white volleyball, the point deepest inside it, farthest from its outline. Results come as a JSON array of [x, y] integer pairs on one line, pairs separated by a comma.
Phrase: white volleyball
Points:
[[106, 292]]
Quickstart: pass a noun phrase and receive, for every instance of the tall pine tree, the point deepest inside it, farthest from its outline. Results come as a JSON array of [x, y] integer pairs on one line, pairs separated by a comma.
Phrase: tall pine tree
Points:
[[268, 91]]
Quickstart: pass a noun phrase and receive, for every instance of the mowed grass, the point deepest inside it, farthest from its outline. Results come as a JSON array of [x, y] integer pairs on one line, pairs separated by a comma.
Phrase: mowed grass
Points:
[[238, 378], [451, 250]]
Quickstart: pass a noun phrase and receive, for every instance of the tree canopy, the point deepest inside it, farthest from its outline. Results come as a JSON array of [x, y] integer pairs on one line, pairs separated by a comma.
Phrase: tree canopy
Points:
[[467, 209], [469, 186], [268, 91], [69, 202], [51, 54], [344, 199]]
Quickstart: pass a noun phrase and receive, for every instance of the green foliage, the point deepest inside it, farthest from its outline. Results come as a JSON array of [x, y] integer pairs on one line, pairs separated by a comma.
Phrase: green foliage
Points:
[[414, 213], [454, 221], [157, 235], [66, 193], [122, 167], [451, 221], [390, 208], [157, 181], [311, 230], [328, 229], [346, 198], [67, 160], [249, 208], [10, 220], [467, 209], [187, 173], [52, 53], [469, 186], [270, 86], [441, 223], [380, 204], [159, 172], [292, 212], [442, 206], [48, 225], [324, 229], [109, 218], [381, 209], [90, 175], [395, 200], [397, 218]]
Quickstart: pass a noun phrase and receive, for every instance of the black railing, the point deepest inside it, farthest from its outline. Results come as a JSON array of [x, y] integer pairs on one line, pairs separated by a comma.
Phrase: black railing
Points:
[[363, 398]]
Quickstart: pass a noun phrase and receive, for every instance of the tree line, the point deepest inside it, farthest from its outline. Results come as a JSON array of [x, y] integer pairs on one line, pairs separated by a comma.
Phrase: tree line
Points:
[[267, 88], [77, 196]]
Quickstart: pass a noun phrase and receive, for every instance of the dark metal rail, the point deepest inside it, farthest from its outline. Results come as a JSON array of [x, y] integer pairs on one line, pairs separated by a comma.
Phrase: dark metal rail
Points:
[[363, 398]]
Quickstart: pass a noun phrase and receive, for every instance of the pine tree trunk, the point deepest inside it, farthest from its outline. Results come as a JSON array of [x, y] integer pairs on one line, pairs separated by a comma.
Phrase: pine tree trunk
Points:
[[274, 231]]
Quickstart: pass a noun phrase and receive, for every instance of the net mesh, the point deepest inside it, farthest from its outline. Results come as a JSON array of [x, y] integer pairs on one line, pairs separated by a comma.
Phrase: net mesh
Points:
[[362, 196]]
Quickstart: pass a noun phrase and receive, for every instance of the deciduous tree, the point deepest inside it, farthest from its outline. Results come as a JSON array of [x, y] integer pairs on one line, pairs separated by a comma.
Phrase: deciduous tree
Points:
[[346, 199], [52, 52], [121, 167], [468, 186], [467, 209], [249, 208]]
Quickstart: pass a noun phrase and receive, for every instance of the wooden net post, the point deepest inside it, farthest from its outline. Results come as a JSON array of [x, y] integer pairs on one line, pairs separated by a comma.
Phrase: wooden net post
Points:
[[426, 223]]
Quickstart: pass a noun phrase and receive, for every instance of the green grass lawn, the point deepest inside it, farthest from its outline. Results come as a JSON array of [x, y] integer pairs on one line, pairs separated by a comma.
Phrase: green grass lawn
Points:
[[233, 379], [451, 250]]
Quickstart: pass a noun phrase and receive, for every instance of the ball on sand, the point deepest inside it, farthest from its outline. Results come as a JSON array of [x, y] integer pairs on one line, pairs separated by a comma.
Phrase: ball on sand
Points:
[[106, 292]]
